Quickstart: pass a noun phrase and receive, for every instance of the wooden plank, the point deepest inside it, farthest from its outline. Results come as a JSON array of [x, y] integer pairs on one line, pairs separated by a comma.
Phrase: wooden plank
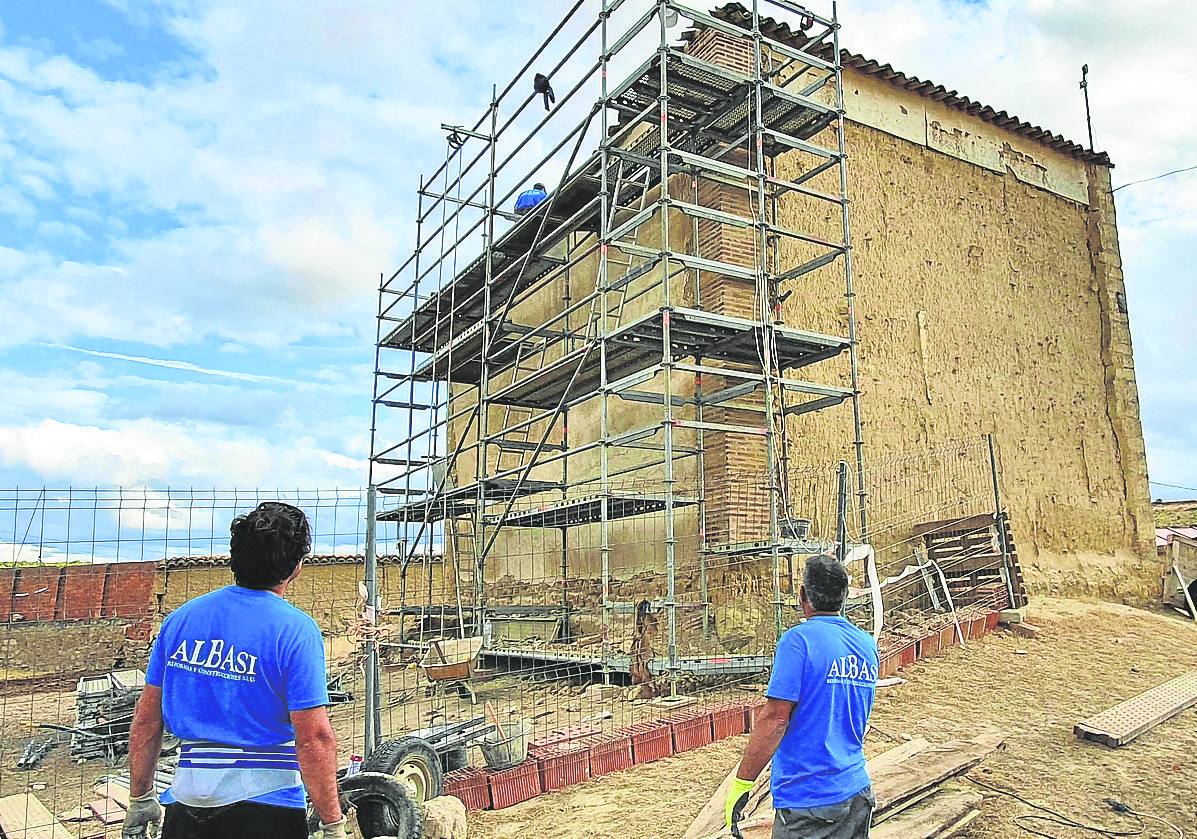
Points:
[[710, 817], [758, 819], [1122, 723], [107, 810], [898, 754], [959, 825], [930, 818], [898, 782], [114, 791], [24, 817], [79, 814]]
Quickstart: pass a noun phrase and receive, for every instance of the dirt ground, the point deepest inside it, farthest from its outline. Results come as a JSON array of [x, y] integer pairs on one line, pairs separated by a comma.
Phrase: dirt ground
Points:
[[1087, 657]]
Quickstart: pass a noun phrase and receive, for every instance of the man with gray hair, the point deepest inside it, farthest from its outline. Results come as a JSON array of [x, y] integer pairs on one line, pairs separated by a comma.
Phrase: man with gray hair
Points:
[[813, 724]]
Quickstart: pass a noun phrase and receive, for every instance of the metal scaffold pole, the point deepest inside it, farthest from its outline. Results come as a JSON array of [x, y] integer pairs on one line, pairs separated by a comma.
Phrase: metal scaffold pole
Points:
[[373, 721], [601, 282], [999, 523], [667, 353], [849, 286]]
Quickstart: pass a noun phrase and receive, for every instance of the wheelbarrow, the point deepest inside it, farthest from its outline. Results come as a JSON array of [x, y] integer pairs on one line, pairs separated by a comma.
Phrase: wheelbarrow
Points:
[[452, 662], [415, 764]]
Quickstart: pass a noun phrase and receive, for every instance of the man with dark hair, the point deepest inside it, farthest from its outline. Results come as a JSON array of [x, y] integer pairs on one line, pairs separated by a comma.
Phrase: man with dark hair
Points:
[[813, 723], [238, 676]]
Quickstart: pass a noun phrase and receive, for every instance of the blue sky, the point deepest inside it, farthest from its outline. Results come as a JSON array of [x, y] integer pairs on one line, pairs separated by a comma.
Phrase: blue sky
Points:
[[197, 198]]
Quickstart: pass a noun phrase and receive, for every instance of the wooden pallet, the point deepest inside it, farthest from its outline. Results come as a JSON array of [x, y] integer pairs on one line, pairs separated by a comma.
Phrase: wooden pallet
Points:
[[969, 551], [1124, 722]]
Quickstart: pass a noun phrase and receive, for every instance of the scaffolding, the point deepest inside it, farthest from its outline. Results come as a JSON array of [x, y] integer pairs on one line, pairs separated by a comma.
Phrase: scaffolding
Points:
[[595, 364]]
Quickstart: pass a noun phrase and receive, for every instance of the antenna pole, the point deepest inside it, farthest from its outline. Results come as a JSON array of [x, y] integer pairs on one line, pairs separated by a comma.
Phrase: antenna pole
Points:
[[1085, 88]]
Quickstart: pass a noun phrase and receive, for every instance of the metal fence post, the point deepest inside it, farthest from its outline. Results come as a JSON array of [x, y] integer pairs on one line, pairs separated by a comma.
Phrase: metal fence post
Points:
[[841, 513], [999, 522], [373, 704]]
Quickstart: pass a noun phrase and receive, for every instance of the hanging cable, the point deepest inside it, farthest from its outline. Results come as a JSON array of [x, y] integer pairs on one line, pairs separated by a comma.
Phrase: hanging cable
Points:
[[1155, 177]]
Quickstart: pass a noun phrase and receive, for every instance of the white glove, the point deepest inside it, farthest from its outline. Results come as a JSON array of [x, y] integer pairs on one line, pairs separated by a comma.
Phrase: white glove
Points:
[[335, 830], [143, 817]]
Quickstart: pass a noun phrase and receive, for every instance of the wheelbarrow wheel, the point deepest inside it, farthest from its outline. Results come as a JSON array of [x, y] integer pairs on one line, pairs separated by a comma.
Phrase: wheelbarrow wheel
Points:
[[412, 762], [384, 806]]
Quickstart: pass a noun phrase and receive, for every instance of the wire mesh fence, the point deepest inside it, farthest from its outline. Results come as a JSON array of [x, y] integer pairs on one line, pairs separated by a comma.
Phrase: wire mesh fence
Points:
[[567, 625]]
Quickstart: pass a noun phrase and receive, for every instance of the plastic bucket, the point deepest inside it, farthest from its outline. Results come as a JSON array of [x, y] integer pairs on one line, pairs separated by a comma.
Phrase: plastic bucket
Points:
[[508, 746]]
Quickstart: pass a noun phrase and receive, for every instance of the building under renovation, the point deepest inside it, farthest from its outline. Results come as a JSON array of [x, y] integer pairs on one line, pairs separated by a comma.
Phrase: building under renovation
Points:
[[609, 426]]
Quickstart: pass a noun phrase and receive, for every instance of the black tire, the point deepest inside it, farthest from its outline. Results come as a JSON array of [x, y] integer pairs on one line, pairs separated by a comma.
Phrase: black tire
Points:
[[454, 759], [412, 762], [383, 805]]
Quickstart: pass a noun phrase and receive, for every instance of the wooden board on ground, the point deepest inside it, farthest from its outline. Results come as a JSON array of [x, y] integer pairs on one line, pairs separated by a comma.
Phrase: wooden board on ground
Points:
[[1124, 722], [898, 754], [897, 782], [107, 810], [79, 814], [899, 775], [940, 812], [24, 817], [114, 791]]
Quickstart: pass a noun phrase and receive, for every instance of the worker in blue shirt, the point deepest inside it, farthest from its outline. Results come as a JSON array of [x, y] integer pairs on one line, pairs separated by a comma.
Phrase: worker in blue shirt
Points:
[[813, 723], [238, 676], [529, 199]]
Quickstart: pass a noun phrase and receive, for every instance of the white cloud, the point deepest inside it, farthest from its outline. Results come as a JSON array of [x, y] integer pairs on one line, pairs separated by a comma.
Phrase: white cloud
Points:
[[154, 453], [278, 181]]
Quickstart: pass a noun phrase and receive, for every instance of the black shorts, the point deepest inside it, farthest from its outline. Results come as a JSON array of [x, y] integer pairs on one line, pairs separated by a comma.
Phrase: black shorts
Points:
[[845, 820], [243, 820]]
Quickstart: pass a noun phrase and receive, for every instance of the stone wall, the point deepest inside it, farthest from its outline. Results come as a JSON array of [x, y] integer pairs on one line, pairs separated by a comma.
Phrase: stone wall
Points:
[[70, 649]]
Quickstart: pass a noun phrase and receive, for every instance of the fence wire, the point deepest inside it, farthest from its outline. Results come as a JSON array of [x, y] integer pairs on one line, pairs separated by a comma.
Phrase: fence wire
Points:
[[566, 625]]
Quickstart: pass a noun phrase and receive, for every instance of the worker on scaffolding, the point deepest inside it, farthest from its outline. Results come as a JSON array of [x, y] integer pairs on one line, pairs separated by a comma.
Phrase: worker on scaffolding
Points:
[[530, 199], [238, 675], [813, 723]]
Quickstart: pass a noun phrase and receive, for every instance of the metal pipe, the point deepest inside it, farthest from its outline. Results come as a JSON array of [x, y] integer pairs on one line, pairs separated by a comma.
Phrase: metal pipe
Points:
[[999, 523], [862, 493], [371, 730], [667, 352]]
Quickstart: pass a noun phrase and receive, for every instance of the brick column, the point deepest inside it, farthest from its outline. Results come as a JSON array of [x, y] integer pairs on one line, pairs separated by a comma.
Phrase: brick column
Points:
[[735, 465]]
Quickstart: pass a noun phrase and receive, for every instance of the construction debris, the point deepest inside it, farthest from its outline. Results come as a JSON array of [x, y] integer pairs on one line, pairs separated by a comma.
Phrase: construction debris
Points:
[[1025, 629], [1125, 721], [906, 784], [35, 751], [103, 713]]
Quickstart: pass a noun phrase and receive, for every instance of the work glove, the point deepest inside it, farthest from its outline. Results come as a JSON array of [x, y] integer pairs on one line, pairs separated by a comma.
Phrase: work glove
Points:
[[143, 816], [737, 797], [335, 830]]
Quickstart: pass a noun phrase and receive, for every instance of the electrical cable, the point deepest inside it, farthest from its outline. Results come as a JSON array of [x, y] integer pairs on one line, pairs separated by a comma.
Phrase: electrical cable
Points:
[[1155, 177], [1051, 816], [1172, 486]]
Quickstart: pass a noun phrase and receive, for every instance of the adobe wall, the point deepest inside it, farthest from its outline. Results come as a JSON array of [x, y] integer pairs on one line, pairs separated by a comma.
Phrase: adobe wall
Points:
[[990, 300]]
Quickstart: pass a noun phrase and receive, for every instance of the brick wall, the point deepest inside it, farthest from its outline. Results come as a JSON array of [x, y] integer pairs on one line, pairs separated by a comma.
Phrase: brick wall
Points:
[[83, 592], [36, 593]]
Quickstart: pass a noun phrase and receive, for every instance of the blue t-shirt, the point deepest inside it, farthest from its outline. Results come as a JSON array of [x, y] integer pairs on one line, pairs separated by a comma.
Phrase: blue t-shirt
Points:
[[232, 665], [529, 199], [828, 668]]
